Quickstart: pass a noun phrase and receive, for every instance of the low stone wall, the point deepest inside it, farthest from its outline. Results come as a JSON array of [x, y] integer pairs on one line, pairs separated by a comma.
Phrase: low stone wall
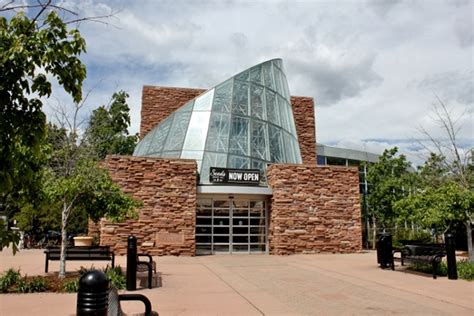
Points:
[[314, 209], [167, 188]]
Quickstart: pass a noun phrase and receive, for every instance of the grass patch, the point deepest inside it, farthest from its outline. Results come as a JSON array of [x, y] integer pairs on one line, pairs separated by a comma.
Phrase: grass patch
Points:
[[465, 269]]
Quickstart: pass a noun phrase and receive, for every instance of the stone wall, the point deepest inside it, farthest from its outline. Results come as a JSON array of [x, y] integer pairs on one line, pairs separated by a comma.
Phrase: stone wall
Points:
[[167, 188], [314, 209], [303, 113]]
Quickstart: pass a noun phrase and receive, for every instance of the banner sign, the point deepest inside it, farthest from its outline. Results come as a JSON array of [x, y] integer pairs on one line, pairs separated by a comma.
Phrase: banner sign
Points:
[[238, 176]]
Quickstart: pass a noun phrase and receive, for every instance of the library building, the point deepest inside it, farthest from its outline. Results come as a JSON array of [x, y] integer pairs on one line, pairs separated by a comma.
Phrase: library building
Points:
[[233, 170]]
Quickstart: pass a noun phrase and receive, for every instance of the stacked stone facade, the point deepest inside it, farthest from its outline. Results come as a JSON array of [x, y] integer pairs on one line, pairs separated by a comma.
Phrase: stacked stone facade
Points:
[[314, 209], [303, 113], [166, 222]]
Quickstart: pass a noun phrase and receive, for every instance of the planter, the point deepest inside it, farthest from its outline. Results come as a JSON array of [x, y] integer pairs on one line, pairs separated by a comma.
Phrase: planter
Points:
[[83, 241]]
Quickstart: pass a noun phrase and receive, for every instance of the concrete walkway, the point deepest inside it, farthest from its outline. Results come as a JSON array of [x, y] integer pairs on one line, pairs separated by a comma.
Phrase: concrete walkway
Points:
[[331, 284]]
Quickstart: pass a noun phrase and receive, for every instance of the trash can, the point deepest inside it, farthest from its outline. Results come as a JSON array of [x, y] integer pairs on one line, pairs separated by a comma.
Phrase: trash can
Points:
[[384, 250]]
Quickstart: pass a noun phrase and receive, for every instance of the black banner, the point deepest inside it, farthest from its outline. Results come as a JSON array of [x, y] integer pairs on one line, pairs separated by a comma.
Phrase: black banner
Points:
[[238, 176]]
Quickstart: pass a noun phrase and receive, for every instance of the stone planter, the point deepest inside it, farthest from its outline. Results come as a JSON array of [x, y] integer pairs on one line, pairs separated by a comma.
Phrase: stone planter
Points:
[[83, 241]]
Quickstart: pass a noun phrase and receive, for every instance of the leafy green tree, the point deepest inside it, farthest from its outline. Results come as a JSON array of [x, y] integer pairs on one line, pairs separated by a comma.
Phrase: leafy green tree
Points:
[[32, 50], [390, 181], [107, 131]]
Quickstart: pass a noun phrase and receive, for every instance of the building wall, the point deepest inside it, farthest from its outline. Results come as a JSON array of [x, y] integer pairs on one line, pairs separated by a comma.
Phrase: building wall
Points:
[[159, 102], [303, 113], [167, 188], [314, 209]]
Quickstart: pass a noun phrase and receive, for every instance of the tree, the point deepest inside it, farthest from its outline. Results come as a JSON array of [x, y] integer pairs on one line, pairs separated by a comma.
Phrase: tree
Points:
[[389, 179], [445, 192], [32, 50], [107, 131]]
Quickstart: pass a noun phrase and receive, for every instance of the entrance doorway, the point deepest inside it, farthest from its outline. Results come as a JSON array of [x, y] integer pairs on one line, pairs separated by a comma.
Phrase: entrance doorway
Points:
[[231, 225]]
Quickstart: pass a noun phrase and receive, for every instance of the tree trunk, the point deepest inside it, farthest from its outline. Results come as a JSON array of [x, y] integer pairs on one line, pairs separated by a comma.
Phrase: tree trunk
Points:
[[469, 240], [62, 258], [374, 232]]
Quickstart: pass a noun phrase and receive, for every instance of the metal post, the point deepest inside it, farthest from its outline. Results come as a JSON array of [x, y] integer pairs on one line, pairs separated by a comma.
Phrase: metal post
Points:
[[451, 256], [93, 294], [131, 263]]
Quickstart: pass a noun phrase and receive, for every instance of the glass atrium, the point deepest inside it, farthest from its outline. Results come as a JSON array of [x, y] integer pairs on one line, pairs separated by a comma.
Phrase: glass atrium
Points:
[[243, 123]]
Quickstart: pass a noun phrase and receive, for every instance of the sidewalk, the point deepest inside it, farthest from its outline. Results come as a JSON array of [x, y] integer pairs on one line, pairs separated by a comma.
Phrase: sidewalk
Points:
[[323, 284]]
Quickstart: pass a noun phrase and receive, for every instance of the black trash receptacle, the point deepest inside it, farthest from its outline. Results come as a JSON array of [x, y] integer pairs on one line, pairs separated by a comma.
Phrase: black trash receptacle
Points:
[[384, 250]]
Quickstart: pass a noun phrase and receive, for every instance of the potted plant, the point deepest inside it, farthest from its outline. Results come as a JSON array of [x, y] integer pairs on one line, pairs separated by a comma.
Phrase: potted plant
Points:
[[83, 241]]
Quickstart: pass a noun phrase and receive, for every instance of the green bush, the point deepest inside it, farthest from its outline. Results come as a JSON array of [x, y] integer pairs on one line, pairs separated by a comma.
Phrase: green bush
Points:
[[465, 270], [428, 268], [71, 286], [116, 277], [9, 278], [36, 284]]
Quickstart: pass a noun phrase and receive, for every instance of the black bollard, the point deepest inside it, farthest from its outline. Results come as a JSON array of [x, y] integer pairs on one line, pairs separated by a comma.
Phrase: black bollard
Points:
[[131, 263], [451, 256], [93, 294]]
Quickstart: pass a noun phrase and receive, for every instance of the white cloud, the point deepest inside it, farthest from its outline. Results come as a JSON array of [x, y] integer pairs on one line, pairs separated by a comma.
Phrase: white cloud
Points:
[[372, 67]]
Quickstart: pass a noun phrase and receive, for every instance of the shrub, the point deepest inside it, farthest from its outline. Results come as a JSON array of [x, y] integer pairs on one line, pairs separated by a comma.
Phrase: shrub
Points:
[[465, 270], [116, 277], [9, 278], [36, 284], [71, 286]]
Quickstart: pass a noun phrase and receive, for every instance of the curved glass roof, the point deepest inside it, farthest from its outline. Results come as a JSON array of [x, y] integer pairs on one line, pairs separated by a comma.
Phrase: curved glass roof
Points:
[[243, 123]]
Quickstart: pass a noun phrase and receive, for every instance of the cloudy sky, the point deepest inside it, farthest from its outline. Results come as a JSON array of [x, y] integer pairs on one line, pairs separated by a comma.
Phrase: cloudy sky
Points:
[[374, 68]]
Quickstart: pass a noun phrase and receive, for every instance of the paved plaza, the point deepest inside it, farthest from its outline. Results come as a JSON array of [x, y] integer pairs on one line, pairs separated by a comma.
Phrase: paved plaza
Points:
[[320, 284]]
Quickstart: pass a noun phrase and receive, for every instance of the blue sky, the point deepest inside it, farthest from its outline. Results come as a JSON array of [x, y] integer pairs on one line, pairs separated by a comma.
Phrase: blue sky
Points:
[[372, 67]]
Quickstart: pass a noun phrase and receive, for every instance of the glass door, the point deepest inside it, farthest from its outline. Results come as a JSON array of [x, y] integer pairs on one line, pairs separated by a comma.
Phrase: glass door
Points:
[[231, 226]]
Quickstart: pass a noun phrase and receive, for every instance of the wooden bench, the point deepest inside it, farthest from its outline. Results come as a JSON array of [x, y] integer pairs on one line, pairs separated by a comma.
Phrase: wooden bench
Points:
[[423, 253], [80, 253]]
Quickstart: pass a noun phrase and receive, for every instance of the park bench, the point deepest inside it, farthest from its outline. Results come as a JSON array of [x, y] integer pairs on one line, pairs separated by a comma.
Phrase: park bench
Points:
[[146, 266], [80, 253], [423, 253], [114, 308]]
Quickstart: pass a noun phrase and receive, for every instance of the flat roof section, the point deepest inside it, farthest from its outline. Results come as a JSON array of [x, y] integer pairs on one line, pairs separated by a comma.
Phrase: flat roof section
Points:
[[345, 153]]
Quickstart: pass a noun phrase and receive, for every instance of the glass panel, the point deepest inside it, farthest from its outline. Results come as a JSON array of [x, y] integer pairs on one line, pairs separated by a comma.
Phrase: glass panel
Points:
[[221, 230], [239, 132], [278, 83], [211, 160], [283, 107], [241, 205], [188, 107], [241, 97], [256, 205], [240, 248], [276, 144], [142, 147], [203, 239], [260, 165], [257, 248], [223, 204], [321, 160], [256, 74], [273, 112], [257, 239], [244, 76], [218, 135], [171, 154], [220, 222], [238, 162], [276, 62], [178, 131], [240, 239], [189, 154], [161, 132], [204, 212], [204, 102], [223, 97], [204, 202], [258, 140], [221, 248], [289, 150], [203, 230], [257, 106], [221, 239], [203, 221], [197, 131], [257, 230], [336, 161], [203, 250], [267, 75], [257, 221]]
